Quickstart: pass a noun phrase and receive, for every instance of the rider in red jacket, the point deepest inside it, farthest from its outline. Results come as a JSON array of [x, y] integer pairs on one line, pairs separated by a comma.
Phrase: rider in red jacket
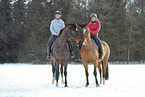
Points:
[[95, 26]]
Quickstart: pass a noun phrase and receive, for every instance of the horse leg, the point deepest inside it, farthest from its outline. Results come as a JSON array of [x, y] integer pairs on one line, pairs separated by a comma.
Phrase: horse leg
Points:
[[103, 72], [86, 71], [62, 73], [95, 74], [99, 67], [56, 73], [53, 69], [65, 74]]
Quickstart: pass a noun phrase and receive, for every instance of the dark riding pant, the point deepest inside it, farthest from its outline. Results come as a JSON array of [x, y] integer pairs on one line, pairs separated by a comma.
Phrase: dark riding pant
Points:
[[49, 43], [98, 43]]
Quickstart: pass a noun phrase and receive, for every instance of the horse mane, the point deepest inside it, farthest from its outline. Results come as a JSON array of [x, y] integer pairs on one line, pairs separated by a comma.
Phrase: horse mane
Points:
[[83, 25], [63, 29]]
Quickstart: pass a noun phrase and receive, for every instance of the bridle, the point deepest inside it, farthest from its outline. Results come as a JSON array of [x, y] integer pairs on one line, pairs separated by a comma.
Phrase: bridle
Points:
[[86, 35], [74, 31]]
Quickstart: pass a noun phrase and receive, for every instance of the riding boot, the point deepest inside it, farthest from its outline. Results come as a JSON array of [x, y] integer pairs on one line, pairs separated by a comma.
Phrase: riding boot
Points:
[[100, 52], [49, 44], [71, 50], [48, 53], [98, 43]]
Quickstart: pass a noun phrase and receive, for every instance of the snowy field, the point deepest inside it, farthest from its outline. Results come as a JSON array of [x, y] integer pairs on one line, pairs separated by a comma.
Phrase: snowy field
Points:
[[26, 80]]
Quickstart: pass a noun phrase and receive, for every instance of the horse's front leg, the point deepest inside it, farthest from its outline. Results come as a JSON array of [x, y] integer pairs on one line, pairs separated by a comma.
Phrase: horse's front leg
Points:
[[87, 73], [99, 67], [62, 74], [65, 74], [95, 73]]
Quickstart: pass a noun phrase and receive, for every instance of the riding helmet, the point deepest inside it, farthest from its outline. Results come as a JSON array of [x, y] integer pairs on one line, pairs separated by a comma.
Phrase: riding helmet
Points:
[[93, 15], [58, 12]]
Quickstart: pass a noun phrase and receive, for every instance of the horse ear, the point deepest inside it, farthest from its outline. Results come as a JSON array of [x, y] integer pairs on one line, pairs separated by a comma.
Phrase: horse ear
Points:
[[86, 24], [73, 25], [80, 25]]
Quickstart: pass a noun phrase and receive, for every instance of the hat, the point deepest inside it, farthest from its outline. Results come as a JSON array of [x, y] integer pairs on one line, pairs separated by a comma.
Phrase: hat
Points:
[[93, 15], [58, 12]]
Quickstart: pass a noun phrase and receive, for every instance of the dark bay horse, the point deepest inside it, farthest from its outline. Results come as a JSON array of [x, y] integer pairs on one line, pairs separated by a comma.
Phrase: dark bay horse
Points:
[[61, 53], [89, 54]]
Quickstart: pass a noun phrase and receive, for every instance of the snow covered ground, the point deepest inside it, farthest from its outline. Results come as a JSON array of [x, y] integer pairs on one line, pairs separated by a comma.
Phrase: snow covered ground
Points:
[[26, 80]]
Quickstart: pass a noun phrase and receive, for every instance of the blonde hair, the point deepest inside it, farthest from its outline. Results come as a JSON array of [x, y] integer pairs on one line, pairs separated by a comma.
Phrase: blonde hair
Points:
[[96, 19]]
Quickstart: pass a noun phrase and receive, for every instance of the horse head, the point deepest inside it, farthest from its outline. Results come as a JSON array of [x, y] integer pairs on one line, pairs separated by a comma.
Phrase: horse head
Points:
[[85, 33], [73, 33]]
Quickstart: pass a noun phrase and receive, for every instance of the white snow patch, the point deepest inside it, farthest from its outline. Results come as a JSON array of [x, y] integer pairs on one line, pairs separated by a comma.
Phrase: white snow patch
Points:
[[22, 80]]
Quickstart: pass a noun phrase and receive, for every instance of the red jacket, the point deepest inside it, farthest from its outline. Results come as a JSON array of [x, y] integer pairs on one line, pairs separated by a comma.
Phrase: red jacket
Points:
[[95, 28]]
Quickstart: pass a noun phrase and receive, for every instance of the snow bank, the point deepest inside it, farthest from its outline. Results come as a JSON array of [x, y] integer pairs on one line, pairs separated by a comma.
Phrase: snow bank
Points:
[[28, 80]]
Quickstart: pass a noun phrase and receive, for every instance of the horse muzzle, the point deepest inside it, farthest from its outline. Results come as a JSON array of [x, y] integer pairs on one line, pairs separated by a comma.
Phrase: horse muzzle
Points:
[[85, 42], [78, 39]]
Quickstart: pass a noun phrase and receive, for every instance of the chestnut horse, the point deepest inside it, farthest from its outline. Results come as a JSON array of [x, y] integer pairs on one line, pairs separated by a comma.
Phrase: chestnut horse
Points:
[[89, 54], [61, 53]]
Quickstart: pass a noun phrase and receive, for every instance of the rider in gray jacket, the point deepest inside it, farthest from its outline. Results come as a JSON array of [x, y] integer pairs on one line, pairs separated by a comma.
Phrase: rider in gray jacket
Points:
[[55, 27]]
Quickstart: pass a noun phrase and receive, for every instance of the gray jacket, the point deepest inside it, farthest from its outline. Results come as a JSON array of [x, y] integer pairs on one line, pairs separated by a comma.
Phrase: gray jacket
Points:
[[56, 25]]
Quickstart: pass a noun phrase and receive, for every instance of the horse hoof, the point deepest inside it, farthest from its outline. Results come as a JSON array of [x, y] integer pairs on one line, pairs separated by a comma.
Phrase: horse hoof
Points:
[[103, 82], [87, 84], [48, 58], [97, 85], [52, 82], [56, 84], [100, 80], [66, 86]]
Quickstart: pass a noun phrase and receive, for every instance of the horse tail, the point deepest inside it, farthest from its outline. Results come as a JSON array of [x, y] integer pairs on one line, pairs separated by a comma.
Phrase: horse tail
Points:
[[56, 71], [107, 73], [105, 69], [105, 60]]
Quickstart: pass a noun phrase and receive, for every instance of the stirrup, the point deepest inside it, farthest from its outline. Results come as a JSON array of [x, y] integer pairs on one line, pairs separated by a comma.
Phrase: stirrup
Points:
[[72, 55], [100, 57], [80, 59], [48, 58]]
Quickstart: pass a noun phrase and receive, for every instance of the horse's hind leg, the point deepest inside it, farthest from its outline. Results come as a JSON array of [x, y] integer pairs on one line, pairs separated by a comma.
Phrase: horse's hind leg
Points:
[[99, 68], [56, 73], [65, 74], [95, 74], [103, 72]]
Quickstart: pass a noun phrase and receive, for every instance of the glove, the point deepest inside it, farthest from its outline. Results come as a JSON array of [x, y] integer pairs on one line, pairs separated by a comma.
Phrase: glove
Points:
[[56, 34]]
